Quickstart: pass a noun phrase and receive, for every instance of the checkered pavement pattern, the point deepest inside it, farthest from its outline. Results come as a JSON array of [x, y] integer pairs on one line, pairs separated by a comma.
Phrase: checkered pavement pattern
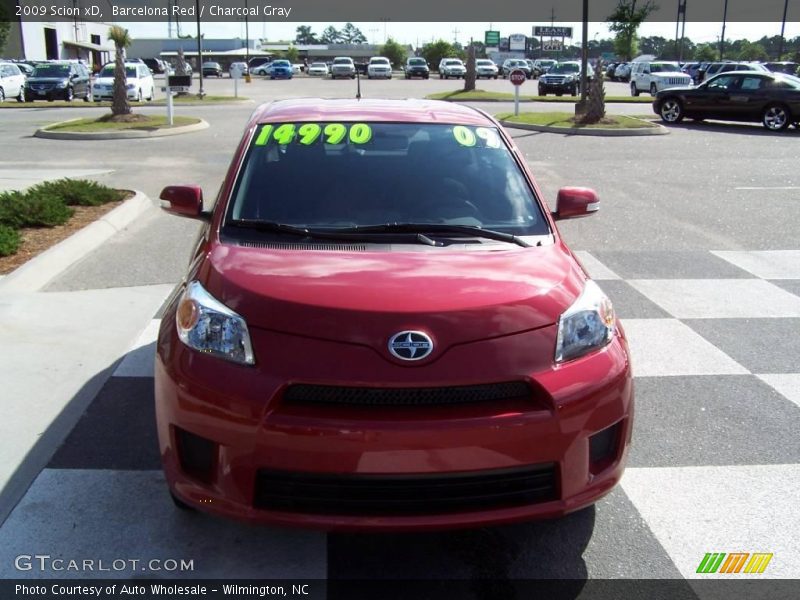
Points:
[[714, 466]]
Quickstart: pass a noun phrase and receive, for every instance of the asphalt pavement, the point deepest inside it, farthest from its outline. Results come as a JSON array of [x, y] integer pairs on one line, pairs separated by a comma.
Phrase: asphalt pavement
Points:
[[696, 243]]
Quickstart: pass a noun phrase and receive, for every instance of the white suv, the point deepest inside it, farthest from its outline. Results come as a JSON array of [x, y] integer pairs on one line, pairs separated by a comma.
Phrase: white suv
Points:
[[654, 76], [452, 67], [12, 82], [343, 66], [379, 66]]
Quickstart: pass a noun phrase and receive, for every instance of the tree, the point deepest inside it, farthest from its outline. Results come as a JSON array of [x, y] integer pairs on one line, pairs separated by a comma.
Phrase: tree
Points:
[[395, 52], [752, 51], [595, 97], [330, 36], [472, 75], [351, 34], [292, 54], [122, 39], [706, 52], [305, 35], [5, 27], [624, 22], [436, 51]]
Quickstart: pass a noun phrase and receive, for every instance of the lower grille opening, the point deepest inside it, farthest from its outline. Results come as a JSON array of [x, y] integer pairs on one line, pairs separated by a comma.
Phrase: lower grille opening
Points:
[[603, 448], [404, 494], [197, 455]]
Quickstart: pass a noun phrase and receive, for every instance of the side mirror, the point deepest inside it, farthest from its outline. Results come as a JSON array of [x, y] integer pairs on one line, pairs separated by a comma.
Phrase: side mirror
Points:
[[183, 200], [575, 202]]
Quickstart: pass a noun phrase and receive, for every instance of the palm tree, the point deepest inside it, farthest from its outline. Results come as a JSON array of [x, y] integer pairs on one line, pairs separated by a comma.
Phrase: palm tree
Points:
[[122, 39]]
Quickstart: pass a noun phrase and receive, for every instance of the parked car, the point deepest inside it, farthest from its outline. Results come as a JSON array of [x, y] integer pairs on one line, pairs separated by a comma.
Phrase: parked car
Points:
[[318, 69], [59, 80], [417, 67], [654, 76], [462, 326], [281, 69], [787, 67], [486, 68], [623, 72], [139, 82], [715, 68], [771, 98], [343, 66], [212, 69], [564, 78], [25, 68], [297, 68], [257, 61], [156, 65], [238, 66], [379, 66], [12, 82], [452, 67], [512, 64], [542, 66], [262, 69]]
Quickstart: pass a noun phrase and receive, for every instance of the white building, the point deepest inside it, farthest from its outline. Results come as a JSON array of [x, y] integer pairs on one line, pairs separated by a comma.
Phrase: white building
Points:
[[86, 40]]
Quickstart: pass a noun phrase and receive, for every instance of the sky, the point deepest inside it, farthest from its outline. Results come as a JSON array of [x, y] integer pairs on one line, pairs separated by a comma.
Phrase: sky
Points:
[[420, 33]]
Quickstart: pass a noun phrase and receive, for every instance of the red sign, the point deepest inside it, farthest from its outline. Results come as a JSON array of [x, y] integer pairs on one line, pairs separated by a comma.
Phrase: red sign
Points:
[[517, 77]]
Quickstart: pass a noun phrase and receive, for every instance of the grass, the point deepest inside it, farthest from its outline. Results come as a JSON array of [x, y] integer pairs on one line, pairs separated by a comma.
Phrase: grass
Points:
[[567, 119], [150, 122], [190, 99], [47, 205], [478, 95]]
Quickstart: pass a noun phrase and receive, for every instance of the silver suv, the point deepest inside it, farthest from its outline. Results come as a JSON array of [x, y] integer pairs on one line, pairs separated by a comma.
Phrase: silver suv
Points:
[[343, 67], [452, 67]]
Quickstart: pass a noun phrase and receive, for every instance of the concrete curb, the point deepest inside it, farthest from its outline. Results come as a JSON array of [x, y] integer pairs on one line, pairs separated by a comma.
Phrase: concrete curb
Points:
[[39, 271], [116, 135], [596, 131]]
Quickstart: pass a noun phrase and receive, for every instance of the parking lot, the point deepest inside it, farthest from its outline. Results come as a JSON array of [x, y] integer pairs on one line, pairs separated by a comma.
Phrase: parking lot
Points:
[[696, 243]]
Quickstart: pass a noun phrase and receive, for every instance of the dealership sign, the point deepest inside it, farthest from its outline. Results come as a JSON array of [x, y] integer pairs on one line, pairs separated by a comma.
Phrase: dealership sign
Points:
[[517, 41], [491, 38], [551, 31]]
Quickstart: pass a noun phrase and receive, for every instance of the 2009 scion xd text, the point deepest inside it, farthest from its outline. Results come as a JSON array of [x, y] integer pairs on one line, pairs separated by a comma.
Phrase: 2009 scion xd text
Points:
[[381, 328]]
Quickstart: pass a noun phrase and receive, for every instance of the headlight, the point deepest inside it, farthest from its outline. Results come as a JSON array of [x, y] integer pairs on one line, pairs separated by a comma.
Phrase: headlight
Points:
[[130, 86], [585, 326], [208, 326], [62, 84]]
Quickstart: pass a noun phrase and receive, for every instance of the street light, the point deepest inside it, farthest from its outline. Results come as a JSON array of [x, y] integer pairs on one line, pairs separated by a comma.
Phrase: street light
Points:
[[199, 47], [722, 38], [783, 28]]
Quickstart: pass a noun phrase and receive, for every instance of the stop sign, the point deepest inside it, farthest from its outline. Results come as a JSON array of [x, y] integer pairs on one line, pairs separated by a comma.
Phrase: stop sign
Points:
[[517, 77]]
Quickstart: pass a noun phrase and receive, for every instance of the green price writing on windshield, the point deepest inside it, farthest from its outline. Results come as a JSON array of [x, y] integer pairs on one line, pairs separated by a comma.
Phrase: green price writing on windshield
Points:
[[310, 133], [469, 138]]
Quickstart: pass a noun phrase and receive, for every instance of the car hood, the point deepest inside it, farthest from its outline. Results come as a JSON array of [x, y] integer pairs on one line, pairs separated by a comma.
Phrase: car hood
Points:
[[672, 74], [106, 81], [363, 297], [46, 79]]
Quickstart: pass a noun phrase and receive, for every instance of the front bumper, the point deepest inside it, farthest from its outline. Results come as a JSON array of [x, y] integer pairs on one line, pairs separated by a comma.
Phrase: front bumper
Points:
[[418, 73], [566, 86], [256, 440]]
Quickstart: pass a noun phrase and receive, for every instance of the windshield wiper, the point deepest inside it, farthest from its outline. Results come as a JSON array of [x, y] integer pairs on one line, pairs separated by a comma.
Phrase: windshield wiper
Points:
[[442, 228], [347, 234]]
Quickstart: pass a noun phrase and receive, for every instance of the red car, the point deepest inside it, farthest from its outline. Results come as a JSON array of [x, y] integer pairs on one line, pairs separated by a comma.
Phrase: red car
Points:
[[382, 329]]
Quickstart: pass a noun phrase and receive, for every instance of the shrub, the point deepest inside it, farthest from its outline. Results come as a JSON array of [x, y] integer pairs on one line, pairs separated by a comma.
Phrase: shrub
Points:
[[33, 209], [76, 192], [9, 240]]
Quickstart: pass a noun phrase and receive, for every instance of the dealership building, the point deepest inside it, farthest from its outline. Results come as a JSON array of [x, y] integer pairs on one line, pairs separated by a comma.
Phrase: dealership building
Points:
[[78, 39]]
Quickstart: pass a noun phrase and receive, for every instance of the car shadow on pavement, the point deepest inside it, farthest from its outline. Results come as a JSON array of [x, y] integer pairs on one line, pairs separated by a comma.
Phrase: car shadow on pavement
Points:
[[730, 127]]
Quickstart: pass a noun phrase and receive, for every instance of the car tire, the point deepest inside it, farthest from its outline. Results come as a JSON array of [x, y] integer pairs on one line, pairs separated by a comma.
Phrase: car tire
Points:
[[21, 95], [653, 89], [542, 93], [88, 96], [69, 94], [670, 110], [2, 95], [574, 91], [495, 76], [776, 117], [634, 89], [139, 97]]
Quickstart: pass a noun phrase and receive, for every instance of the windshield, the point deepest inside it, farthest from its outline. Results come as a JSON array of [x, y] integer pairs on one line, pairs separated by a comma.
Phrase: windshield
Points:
[[378, 173], [380, 61], [663, 68], [108, 71], [416, 61], [280, 63], [566, 68], [342, 61], [51, 71], [318, 65], [484, 63], [453, 63]]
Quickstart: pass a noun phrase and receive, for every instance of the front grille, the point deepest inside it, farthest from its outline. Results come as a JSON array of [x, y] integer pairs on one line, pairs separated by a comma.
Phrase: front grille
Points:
[[428, 396], [554, 79], [404, 494], [302, 246], [677, 81]]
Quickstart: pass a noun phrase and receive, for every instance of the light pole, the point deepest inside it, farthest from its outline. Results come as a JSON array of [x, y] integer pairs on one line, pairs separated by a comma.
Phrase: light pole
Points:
[[722, 37], [783, 28], [585, 51], [199, 48]]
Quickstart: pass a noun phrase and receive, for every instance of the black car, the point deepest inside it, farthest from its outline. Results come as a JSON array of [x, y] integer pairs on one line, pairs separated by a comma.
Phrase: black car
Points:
[[417, 67], [564, 78], [771, 98], [212, 69], [58, 81]]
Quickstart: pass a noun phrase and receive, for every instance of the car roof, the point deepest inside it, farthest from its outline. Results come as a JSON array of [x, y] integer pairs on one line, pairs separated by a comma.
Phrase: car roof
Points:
[[371, 110]]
